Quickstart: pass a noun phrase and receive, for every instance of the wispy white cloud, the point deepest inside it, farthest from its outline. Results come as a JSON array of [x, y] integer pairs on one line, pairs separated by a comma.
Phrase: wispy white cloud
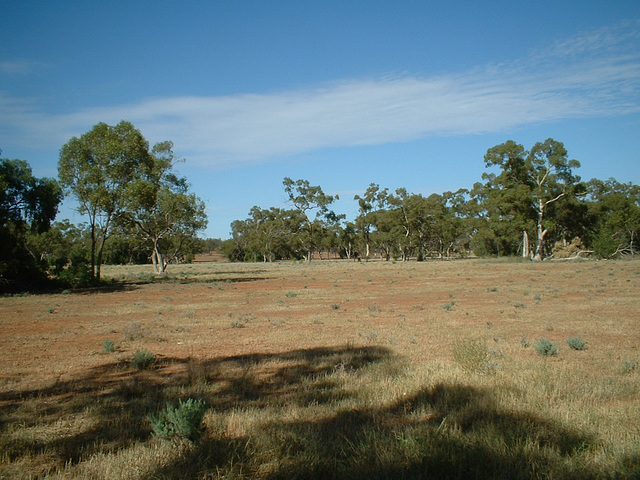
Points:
[[17, 67], [593, 75]]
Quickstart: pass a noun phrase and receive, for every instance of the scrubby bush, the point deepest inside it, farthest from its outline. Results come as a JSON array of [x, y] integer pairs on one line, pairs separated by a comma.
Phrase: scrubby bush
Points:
[[142, 359], [576, 343], [546, 348], [183, 422]]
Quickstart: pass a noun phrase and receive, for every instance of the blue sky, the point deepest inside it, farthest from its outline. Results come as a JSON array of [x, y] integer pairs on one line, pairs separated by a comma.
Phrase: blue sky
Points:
[[343, 94]]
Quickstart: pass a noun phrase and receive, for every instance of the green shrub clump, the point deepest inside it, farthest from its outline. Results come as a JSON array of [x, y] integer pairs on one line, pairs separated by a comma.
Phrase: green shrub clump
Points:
[[546, 348], [142, 359], [576, 343], [108, 346], [183, 422]]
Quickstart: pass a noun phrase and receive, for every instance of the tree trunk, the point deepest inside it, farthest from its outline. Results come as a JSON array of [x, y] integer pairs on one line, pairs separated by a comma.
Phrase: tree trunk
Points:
[[525, 245], [541, 233], [158, 261]]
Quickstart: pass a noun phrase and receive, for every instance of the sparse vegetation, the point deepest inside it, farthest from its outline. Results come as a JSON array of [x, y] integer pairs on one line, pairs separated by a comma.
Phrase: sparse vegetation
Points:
[[628, 366], [472, 354], [391, 387], [447, 307]]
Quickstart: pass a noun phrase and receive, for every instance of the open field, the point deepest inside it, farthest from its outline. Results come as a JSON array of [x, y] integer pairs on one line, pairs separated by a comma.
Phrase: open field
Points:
[[334, 369]]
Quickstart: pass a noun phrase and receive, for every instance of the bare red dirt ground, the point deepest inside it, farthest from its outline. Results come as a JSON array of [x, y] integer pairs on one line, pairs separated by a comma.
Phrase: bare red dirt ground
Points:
[[417, 309]]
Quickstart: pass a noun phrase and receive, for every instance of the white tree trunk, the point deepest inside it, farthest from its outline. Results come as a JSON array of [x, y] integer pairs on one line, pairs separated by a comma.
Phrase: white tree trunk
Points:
[[526, 249]]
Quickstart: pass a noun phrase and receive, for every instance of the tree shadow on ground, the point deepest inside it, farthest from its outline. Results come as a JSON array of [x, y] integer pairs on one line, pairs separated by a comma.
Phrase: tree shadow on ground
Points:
[[120, 398], [447, 431]]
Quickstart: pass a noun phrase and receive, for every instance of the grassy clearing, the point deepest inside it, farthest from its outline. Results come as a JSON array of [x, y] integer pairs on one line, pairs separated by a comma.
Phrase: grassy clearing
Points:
[[388, 385]]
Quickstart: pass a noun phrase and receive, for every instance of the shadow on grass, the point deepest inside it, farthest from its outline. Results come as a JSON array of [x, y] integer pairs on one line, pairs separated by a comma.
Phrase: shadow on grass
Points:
[[448, 430], [119, 398]]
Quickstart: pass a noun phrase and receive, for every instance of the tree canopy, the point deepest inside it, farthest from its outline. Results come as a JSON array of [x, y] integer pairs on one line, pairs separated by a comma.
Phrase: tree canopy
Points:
[[27, 205]]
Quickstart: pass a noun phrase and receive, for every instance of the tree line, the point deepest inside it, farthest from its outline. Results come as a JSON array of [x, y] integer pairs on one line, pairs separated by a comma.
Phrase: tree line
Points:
[[139, 210], [529, 203]]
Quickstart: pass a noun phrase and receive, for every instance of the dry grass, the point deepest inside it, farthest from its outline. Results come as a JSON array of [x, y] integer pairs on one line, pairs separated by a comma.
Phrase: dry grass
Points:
[[371, 388]]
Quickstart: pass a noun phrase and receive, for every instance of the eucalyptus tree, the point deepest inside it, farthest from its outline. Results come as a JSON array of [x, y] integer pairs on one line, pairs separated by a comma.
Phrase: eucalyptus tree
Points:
[[161, 211], [519, 198], [615, 214], [373, 201], [306, 199], [552, 177], [98, 169]]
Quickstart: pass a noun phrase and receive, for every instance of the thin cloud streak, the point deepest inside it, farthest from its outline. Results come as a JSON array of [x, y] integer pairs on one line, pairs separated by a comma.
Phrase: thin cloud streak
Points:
[[594, 75]]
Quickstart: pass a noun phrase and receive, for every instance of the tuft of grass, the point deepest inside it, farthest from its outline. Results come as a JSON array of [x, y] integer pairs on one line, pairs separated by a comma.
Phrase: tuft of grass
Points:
[[471, 354], [291, 294], [143, 359], [546, 348], [108, 346], [628, 366], [133, 331], [335, 306], [576, 343]]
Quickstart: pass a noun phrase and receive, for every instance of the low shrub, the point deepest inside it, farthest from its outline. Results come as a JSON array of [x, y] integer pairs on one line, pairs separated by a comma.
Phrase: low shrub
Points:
[[628, 366], [183, 422], [447, 307], [576, 343], [108, 346], [546, 348], [142, 359]]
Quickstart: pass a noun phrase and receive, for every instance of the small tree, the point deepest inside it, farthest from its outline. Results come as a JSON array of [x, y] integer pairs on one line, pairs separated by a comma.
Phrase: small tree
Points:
[[160, 210], [369, 205]]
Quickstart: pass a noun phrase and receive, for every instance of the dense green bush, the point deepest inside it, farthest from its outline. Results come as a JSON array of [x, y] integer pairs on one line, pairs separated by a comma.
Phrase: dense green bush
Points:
[[183, 422]]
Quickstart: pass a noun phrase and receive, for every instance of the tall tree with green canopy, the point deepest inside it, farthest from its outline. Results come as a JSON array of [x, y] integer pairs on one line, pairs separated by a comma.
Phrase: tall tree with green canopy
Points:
[[615, 210], [98, 168], [521, 195], [27, 205], [369, 205], [306, 198], [160, 209]]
